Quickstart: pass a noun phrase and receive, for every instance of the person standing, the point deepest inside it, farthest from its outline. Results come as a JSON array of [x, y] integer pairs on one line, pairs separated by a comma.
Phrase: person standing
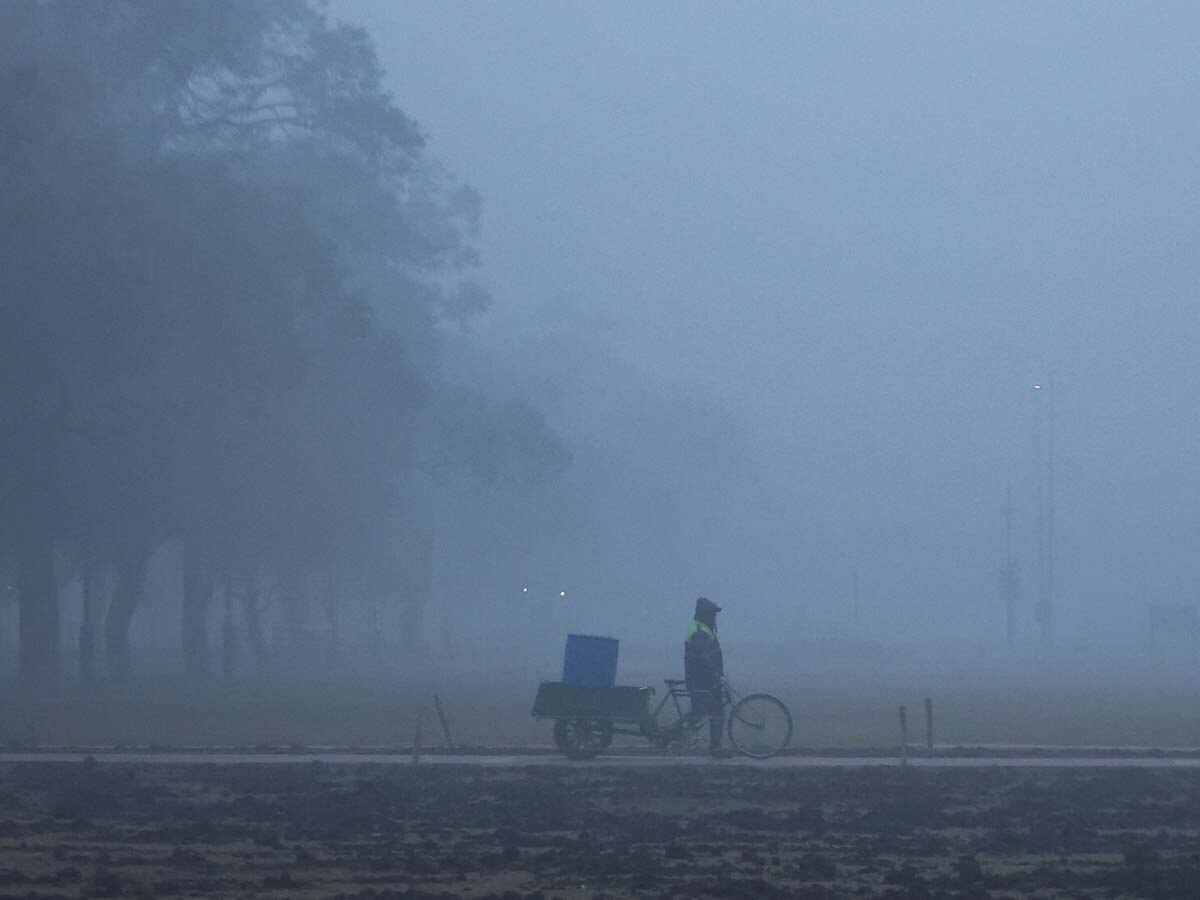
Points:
[[704, 670]]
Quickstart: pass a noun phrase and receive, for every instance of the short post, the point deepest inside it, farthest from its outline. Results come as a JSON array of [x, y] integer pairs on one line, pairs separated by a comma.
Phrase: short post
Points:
[[416, 750], [437, 703], [929, 726], [903, 735]]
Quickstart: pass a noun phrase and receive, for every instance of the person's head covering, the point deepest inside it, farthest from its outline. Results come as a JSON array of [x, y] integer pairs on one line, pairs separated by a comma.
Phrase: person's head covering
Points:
[[706, 611]]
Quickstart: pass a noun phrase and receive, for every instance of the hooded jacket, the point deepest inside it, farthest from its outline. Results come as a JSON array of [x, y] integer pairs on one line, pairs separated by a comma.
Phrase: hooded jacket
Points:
[[703, 664]]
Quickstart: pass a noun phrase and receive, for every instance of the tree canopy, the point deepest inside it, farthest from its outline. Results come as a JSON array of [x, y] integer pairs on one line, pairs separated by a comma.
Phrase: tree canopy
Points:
[[226, 255]]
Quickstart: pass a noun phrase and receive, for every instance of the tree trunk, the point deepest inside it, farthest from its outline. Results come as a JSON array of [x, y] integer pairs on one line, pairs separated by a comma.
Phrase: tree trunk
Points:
[[253, 620], [447, 630], [127, 594], [40, 657], [375, 639], [229, 648], [414, 635], [329, 598], [87, 631], [197, 594]]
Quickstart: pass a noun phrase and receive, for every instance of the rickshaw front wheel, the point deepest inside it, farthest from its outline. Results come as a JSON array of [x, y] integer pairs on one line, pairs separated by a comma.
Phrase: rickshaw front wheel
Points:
[[759, 726]]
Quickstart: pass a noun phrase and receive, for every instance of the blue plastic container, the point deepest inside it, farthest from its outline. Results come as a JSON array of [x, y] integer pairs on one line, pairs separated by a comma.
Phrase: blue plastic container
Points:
[[590, 661]]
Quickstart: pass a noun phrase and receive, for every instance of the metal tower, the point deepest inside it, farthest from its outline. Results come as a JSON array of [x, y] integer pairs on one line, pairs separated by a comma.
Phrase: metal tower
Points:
[[1044, 463]]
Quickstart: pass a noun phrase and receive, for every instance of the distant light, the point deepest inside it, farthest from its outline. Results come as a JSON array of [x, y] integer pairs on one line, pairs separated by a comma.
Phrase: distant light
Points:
[[562, 593], [1037, 387], [525, 590]]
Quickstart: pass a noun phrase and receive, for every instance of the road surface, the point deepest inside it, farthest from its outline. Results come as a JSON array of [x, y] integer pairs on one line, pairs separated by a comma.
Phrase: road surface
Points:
[[520, 760]]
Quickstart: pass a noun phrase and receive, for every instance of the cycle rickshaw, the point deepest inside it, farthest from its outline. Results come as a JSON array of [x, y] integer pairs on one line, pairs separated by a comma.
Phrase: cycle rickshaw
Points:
[[587, 718]]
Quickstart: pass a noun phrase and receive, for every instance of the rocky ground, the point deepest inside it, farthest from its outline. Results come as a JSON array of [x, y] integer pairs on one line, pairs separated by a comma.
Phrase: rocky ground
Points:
[[313, 830]]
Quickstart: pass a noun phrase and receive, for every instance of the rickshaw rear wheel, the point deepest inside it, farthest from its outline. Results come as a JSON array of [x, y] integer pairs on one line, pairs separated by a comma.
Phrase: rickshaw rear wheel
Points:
[[582, 738]]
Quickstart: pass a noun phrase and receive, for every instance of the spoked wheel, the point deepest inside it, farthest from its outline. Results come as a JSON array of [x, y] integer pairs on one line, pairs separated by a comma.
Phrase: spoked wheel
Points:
[[582, 738], [759, 726]]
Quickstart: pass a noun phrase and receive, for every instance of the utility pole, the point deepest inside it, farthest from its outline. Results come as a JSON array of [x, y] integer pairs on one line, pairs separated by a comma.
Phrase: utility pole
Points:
[[1048, 621], [1044, 611], [1010, 575], [1040, 509]]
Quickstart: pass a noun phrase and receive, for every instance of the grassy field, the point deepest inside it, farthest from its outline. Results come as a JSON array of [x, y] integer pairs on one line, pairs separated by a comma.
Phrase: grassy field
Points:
[[845, 708]]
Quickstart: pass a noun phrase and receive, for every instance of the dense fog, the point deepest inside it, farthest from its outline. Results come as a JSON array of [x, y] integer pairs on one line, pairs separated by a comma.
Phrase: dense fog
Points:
[[783, 278], [334, 335]]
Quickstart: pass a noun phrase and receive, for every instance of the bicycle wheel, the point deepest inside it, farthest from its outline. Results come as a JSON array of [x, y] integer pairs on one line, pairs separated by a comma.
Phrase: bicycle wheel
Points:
[[582, 738], [759, 726]]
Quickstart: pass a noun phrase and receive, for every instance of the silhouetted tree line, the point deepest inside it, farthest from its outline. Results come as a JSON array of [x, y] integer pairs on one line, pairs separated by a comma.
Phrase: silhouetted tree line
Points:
[[225, 258]]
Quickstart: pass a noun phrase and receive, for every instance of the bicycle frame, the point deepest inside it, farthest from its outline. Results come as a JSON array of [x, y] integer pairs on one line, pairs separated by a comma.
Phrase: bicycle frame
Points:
[[676, 691]]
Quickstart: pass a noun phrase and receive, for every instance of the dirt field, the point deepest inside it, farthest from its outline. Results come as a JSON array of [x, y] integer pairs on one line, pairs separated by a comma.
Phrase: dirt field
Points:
[[854, 707], [435, 833]]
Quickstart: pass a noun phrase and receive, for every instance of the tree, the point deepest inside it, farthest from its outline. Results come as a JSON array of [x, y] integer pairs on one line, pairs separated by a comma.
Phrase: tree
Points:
[[225, 260]]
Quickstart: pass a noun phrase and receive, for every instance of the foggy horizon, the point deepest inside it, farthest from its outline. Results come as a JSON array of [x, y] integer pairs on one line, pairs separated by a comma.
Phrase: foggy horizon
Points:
[[550, 320], [840, 243]]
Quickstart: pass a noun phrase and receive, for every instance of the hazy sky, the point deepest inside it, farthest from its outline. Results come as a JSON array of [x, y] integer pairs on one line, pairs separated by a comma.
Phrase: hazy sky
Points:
[[865, 231]]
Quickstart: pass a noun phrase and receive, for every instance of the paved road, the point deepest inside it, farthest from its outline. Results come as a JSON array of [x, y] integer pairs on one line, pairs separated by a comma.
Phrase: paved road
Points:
[[521, 760]]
